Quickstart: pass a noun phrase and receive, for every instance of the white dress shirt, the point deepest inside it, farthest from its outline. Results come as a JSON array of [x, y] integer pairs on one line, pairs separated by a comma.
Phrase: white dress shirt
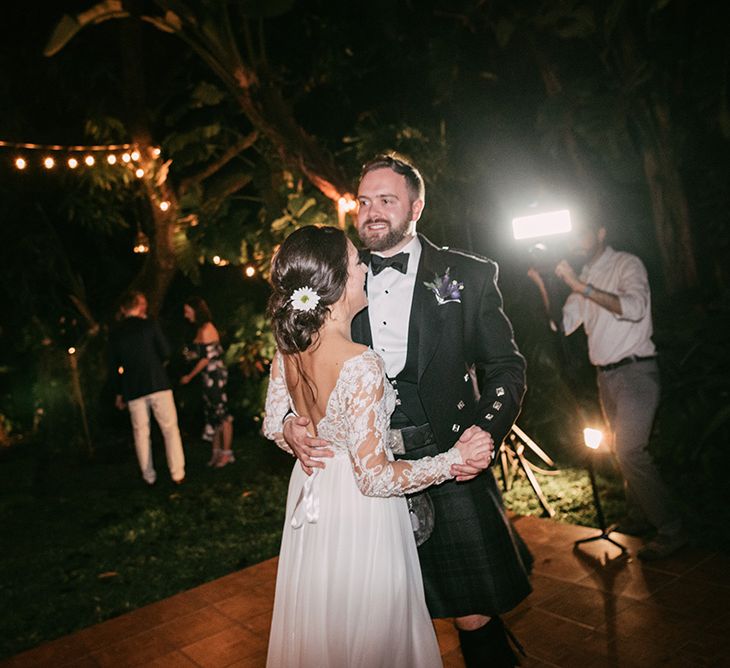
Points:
[[390, 296], [611, 337]]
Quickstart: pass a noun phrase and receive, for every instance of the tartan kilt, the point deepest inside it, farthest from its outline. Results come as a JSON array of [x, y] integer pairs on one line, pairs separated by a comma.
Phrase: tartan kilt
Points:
[[474, 562]]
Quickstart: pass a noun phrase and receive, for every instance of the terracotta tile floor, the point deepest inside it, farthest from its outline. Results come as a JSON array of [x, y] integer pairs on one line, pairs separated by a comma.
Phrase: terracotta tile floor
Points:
[[588, 609]]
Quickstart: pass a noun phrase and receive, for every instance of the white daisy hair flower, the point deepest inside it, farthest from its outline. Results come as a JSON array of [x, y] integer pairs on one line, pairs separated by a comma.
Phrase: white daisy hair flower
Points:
[[304, 299]]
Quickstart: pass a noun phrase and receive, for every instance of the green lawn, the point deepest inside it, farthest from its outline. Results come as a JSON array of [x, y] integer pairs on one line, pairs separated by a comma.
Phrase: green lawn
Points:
[[83, 542]]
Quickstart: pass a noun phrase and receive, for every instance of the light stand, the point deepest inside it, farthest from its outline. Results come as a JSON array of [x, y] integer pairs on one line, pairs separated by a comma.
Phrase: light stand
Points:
[[592, 439], [511, 457]]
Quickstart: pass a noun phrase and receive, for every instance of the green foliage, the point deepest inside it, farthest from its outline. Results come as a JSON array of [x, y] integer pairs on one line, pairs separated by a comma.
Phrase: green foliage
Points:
[[250, 350], [103, 543], [690, 443]]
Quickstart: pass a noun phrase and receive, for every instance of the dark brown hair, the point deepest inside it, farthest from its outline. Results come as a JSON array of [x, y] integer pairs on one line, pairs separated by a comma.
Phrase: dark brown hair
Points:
[[314, 257], [130, 300], [400, 165], [201, 310]]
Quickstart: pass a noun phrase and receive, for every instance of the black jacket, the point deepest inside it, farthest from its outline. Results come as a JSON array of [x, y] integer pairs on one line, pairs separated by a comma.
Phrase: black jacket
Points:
[[137, 352], [458, 340]]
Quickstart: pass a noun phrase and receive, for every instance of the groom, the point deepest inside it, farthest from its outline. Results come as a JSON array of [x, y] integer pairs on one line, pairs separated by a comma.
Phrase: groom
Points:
[[435, 316]]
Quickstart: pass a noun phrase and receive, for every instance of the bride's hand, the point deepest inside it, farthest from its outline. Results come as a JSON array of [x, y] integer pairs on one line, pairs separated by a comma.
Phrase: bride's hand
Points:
[[476, 447], [306, 448]]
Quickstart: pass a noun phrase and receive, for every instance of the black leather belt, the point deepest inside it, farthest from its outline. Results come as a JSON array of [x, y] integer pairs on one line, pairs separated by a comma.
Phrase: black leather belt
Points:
[[626, 360]]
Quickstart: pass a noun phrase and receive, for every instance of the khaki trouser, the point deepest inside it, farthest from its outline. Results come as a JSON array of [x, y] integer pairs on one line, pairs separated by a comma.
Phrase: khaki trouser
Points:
[[163, 408], [629, 397]]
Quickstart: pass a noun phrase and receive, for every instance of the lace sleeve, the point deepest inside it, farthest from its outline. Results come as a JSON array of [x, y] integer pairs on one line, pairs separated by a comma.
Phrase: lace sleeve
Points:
[[278, 405], [375, 471]]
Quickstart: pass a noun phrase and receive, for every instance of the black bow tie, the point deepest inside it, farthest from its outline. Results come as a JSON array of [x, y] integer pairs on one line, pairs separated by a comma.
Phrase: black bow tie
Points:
[[399, 261]]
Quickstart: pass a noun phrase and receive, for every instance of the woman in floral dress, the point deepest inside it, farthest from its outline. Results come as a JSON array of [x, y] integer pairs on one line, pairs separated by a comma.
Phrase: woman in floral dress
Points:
[[207, 352]]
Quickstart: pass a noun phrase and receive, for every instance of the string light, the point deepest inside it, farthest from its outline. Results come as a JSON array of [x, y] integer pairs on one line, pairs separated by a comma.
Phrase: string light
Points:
[[250, 271], [141, 242], [71, 350], [164, 206], [216, 259], [75, 155]]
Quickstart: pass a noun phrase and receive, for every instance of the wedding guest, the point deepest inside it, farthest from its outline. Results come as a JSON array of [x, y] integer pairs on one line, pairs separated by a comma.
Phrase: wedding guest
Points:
[[348, 590], [207, 353], [611, 299], [137, 352]]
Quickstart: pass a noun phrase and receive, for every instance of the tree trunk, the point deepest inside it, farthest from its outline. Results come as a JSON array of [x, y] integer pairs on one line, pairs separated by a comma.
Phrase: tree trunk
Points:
[[160, 265], [670, 210]]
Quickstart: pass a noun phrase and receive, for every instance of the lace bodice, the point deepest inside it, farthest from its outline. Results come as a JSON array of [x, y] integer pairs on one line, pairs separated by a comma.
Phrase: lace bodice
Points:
[[356, 422]]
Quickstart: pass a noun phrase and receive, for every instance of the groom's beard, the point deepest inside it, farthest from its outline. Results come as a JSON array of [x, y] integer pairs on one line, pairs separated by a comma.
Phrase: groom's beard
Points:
[[379, 241]]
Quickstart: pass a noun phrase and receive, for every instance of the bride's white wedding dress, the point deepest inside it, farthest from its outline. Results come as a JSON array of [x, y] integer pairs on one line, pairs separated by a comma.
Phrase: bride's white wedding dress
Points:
[[348, 590]]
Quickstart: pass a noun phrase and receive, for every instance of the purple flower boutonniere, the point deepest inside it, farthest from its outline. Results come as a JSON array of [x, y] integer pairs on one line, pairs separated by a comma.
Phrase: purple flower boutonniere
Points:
[[445, 288]]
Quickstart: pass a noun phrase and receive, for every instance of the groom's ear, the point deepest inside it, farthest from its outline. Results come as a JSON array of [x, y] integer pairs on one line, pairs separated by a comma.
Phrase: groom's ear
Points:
[[417, 209]]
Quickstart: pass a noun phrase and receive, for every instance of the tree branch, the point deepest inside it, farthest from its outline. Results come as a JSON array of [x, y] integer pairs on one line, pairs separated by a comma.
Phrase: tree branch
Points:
[[228, 155]]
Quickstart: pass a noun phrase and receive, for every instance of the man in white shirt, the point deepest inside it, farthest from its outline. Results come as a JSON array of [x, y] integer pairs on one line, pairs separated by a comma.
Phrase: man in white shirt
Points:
[[612, 300]]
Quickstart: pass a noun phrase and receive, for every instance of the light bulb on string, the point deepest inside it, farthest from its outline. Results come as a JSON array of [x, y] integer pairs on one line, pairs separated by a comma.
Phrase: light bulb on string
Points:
[[73, 163], [89, 160], [216, 259], [250, 271], [49, 162], [111, 159], [139, 172], [141, 242], [135, 155], [20, 163], [164, 206], [156, 152], [126, 157]]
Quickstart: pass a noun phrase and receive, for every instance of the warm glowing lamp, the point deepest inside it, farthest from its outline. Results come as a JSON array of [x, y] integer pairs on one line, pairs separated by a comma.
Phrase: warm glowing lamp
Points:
[[89, 160], [164, 206], [592, 439], [249, 271], [139, 172], [135, 155], [126, 157], [73, 163], [111, 159], [49, 162], [141, 242], [20, 163], [71, 350]]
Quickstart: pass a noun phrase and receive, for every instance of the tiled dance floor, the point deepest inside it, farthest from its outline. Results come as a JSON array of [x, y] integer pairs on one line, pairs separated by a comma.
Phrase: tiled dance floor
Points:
[[587, 610]]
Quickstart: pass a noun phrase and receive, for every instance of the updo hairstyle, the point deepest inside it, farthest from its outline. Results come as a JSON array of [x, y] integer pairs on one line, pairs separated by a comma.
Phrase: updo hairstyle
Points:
[[315, 257]]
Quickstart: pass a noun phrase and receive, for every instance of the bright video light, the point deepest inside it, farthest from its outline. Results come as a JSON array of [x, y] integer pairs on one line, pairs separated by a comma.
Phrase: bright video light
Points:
[[541, 224]]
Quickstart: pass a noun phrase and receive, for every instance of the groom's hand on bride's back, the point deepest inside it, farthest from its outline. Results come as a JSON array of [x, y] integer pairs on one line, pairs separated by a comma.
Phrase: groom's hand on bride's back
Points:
[[307, 449], [479, 446]]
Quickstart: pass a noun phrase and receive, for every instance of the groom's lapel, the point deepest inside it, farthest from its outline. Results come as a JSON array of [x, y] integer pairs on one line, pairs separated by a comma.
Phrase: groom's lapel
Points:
[[361, 322], [426, 314]]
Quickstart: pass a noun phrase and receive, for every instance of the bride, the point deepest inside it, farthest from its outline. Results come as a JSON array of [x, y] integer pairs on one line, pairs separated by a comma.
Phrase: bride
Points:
[[348, 589]]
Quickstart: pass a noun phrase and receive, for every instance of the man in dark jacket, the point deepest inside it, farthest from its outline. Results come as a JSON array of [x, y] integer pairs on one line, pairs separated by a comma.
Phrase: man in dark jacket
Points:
[[138, 351], [435, 316]]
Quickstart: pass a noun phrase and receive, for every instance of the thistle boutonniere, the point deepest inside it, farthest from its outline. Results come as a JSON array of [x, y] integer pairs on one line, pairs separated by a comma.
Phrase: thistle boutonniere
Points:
[[445, 288]]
